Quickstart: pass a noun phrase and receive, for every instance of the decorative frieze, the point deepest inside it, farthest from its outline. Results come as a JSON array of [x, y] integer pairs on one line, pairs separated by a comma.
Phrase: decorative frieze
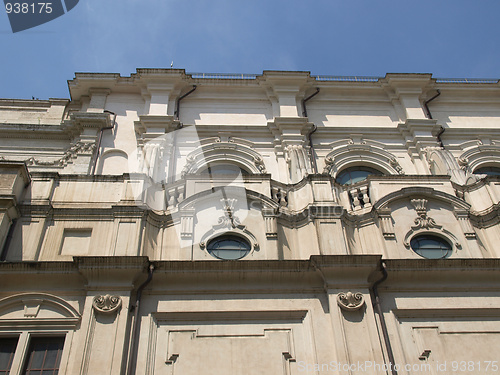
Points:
[[79, 148]]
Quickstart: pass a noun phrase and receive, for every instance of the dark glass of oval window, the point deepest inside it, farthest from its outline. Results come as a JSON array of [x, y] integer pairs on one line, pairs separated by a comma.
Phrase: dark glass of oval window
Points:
[[229, 247], [431, 247], [224, 170], [490, 171], [353, 175]]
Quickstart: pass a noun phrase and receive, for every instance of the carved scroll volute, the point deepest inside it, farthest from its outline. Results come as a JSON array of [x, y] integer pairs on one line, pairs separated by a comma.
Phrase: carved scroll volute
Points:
[[350, 301], [107, 304]]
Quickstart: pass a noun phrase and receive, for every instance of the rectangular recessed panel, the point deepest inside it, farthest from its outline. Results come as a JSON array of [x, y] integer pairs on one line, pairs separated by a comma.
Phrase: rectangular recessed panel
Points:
[[76, 241], [246, 343]]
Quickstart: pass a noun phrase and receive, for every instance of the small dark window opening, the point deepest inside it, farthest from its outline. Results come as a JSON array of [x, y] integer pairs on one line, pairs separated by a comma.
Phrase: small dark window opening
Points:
[[224, 170]]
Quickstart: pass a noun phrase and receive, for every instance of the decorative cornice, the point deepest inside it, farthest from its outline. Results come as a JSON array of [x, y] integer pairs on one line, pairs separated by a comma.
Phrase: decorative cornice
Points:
[[155, 124], [91, 119]]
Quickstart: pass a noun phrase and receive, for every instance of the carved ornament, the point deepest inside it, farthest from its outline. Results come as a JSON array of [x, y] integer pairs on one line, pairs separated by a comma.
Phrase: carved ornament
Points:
[[350, 301], [71, 153], [107, 304]]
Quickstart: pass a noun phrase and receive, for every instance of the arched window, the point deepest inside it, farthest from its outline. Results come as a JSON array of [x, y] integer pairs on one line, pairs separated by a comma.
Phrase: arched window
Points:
[[228, 247], [356, 174], [430, 246], [489, 170], [225, 169]]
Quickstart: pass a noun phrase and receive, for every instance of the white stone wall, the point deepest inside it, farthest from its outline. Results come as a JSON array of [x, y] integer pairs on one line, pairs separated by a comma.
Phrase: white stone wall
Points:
[[98, 193]]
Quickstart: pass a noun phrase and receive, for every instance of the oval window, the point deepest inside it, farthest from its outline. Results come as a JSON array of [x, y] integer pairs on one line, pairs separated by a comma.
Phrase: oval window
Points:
[[353, 175], [228, 247], [430, 246]]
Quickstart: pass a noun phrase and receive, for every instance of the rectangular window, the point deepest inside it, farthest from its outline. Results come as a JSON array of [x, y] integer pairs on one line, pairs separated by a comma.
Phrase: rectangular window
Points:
[[44, 356], [7, 350]]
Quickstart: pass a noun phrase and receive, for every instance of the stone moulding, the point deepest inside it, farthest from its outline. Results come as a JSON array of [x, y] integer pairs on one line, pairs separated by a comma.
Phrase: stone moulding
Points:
[[107, 304], [27, 310], [479, 155], [224, 152], [86, 148], [360, 153], [350, 301]]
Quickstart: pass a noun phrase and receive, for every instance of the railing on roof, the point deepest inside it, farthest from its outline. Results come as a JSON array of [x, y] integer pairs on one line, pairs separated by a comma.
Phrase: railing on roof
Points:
[[338, 78], [466, 80], [253, 76], [223, 76], [346, 78]]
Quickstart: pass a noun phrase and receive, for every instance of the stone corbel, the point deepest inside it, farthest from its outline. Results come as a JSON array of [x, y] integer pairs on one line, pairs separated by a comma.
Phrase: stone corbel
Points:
[[350, 301], [107, 304]]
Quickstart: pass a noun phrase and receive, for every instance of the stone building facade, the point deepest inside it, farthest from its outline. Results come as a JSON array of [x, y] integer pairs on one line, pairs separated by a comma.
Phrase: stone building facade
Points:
[[282, 223]]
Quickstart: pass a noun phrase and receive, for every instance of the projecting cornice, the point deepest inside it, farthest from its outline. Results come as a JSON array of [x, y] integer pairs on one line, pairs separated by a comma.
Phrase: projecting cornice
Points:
[[67, 130], [442, 274]]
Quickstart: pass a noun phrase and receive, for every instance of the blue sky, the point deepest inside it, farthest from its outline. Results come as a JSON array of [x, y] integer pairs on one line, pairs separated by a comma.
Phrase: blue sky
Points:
[[448, 38]]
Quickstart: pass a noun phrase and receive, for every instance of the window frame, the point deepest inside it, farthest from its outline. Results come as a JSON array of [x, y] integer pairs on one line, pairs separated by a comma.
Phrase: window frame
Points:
[[477, 170], [229, 235], [11, 357], [435, 236], [21, 353], [347, 170], [26, 324]]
